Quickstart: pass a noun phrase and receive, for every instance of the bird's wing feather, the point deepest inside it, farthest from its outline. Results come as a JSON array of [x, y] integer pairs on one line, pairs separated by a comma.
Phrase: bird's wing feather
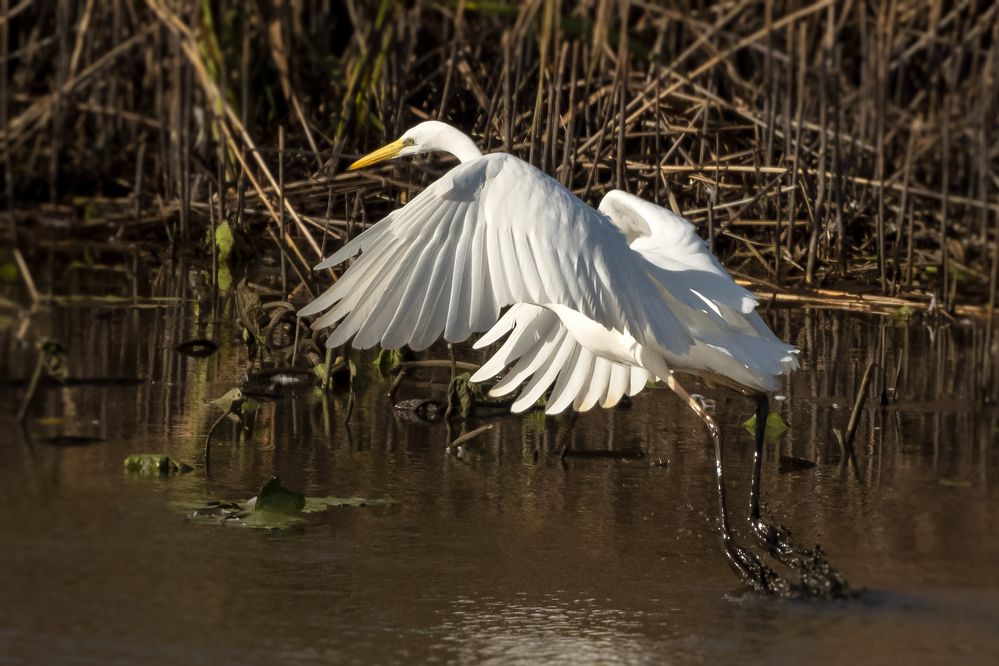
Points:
[[542, 353], [571, 380], [491, 232], [730, 337], [688, 268]]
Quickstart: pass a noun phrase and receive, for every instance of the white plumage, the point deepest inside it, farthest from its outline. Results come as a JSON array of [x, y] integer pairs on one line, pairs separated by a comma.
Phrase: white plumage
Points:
[[595, 365], [603, 300]]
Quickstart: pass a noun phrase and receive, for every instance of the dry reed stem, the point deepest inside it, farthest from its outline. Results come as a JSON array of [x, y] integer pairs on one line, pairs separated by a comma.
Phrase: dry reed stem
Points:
[[841, 142]]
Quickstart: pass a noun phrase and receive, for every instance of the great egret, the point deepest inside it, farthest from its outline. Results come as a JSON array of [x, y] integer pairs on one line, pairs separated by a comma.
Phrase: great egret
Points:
[[595, 314]]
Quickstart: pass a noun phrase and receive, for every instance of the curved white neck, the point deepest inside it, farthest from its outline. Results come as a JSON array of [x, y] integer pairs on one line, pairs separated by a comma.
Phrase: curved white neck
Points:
[[457, 143]]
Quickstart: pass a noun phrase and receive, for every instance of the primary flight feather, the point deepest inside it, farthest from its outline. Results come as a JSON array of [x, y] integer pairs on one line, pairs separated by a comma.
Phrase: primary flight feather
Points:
[[589, 364], [604, 300], [492, 232]]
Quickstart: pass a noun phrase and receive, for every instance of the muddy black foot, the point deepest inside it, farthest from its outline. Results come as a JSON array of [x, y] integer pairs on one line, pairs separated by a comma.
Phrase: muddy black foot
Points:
[[755, 574], [818, 577], [779, 543]]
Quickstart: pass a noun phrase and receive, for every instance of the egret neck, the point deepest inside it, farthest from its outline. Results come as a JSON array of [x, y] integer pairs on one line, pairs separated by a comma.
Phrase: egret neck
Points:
[[437, 136]]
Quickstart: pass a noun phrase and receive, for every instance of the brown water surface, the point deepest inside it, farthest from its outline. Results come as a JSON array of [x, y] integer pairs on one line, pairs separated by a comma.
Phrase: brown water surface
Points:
[[507, 554]]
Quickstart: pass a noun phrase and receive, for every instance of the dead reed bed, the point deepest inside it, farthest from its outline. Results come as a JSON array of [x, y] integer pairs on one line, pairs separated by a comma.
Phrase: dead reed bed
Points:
[[825, 145]]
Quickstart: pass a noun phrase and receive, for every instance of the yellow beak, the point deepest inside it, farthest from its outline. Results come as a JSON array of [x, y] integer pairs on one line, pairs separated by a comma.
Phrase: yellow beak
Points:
[[384, 153]]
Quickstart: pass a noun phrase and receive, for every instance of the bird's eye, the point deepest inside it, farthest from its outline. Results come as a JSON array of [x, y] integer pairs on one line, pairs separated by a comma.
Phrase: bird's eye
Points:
[[408, 142]]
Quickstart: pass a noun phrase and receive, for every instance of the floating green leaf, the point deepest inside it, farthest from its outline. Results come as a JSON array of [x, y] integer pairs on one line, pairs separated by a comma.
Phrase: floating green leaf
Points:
[[314, 504], [275, 498], [154, 463], [241, 514], [776, 427], [274, 507]]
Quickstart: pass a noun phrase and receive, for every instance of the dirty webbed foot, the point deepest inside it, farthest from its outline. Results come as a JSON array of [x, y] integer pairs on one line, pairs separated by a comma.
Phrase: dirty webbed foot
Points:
[[818, 577], [754, 572]]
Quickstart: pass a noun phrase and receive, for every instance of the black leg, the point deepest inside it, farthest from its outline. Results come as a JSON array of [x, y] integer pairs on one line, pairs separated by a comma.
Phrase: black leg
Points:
[[748, 567], [762, 414], [818, 578], [774, 538]]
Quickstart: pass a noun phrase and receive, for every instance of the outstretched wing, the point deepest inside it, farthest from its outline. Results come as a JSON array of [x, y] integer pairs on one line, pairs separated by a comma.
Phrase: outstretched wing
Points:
[[730, 338], [490, 233], [540, 351]]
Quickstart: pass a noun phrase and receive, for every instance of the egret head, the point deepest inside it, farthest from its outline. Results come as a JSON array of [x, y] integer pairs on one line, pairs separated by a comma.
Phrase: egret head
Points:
[[426, 137]]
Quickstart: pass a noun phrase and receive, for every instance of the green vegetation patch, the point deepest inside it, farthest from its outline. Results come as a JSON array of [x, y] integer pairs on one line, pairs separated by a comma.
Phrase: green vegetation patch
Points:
[[8, 272], [776, 428], [274, 508]]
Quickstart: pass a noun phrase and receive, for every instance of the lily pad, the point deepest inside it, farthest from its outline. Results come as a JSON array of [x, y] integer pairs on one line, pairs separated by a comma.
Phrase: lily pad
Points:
[[776, 427], [275, 498], [236, 514], [155, 463], [274, 507], [314, 504]]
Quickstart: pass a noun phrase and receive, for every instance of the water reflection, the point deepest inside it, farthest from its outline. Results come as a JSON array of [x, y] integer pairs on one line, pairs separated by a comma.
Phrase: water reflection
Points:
[[510, 553], [571, 632]]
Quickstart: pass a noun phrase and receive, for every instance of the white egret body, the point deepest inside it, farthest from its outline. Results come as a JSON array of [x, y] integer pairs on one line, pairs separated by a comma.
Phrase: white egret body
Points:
[[590, 309], [492, 232], [603, 300]]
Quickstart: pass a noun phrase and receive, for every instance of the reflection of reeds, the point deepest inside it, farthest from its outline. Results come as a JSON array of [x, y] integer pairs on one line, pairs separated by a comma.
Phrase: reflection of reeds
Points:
[[814, 145], [933, 430]]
